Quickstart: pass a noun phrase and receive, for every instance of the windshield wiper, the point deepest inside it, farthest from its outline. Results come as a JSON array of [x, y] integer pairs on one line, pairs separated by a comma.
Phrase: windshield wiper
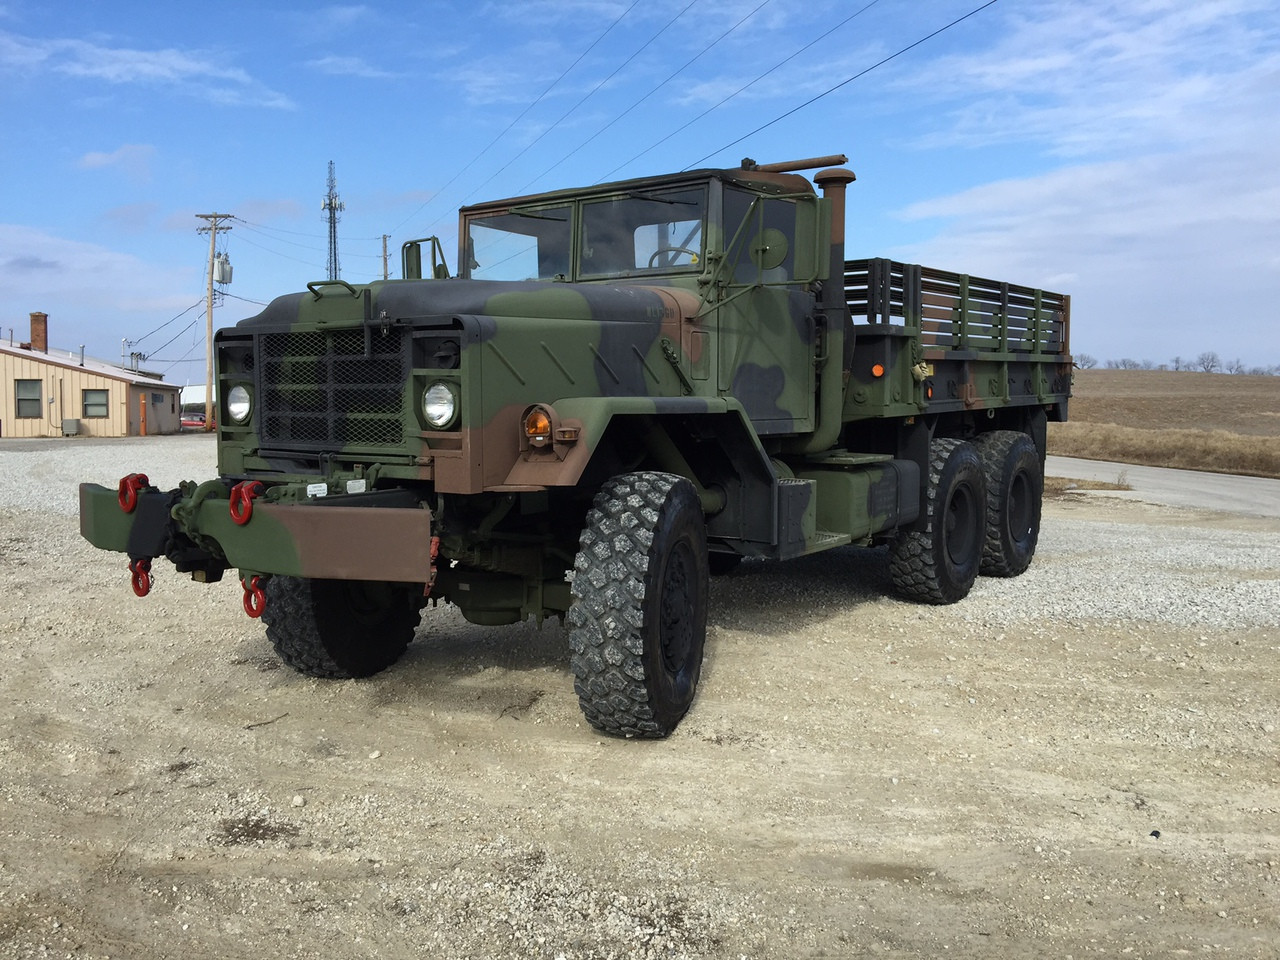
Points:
[[634, 195]]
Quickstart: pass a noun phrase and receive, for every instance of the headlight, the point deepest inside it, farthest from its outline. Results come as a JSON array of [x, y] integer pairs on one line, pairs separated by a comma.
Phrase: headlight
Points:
[[239, 404], [440, 404]]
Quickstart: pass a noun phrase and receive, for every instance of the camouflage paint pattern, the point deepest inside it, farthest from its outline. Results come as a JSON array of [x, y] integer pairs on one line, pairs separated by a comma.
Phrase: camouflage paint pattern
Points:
[[711, 364]]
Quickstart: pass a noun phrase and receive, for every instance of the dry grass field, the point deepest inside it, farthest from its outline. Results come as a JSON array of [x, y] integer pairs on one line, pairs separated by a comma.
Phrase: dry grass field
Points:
[[1223, 423]]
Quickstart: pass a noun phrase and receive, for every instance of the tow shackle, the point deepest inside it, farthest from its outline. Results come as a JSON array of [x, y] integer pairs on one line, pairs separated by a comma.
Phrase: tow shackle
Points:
[[127, 490], [242, 496]]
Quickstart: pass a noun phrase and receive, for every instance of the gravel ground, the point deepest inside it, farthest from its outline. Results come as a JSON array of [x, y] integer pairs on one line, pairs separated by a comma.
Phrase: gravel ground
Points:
[[1078, 762]]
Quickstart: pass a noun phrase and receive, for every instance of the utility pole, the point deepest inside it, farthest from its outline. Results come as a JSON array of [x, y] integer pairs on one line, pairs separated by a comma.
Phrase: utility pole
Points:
[[386, 275], [215, 226], [332, 207]]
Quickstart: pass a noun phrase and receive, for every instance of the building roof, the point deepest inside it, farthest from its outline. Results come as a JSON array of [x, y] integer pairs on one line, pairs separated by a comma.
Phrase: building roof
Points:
[[71, 360]]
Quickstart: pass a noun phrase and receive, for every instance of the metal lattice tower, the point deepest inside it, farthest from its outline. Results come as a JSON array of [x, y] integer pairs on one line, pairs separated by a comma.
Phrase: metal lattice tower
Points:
[[332, 206]]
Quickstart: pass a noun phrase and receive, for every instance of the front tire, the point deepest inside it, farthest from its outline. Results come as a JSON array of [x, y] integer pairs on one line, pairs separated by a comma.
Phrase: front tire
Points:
[[638, 619], [940, 563], [1015, 490], [340, 629]]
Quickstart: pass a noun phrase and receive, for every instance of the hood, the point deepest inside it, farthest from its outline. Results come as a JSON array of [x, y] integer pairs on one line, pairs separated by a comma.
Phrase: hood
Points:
[[409, 299]]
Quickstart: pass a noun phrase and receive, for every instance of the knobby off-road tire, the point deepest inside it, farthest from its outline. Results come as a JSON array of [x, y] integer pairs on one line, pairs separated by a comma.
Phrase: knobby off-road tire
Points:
[[939, 564], [638, 619], [1015, 489], [340, 628]]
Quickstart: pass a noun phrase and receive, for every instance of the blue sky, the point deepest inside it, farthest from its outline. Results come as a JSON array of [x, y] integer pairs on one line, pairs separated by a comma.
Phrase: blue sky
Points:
[[1127, 153]]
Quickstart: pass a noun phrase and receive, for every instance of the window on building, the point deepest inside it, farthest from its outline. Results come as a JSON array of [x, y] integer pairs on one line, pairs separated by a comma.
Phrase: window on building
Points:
[[27, 399], [95, 404]]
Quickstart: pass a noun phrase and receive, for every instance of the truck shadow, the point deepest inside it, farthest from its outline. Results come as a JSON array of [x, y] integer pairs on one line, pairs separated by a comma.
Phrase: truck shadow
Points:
[[521, 671], [772, 597], [761, 596]]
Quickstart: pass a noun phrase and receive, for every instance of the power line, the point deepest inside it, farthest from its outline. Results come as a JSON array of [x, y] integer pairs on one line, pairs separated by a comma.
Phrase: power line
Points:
[[296, 233], [669, 78], [717, 106], [169, 321], [522, 115], [592, 93], [302, 246], [178, 334], [846, 81], [275, 252], [260, 303]]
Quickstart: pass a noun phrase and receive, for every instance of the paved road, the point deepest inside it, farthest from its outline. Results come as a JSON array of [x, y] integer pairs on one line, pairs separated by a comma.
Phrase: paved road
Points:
[[1255, 496]]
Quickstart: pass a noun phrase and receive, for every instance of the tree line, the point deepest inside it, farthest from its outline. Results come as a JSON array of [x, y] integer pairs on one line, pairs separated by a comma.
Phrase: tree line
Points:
[[1207, 362]]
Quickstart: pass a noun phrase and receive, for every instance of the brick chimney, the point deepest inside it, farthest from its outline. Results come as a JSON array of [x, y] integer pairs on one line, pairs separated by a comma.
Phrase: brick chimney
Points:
[[40, 332]]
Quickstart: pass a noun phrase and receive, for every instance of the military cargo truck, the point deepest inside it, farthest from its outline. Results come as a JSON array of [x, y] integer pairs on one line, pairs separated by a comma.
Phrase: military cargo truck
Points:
[[625, 389]]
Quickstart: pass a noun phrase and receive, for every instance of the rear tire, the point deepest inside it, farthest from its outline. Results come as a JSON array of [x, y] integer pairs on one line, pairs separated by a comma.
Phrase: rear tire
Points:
[[1015, 490], [638, 620], [939, 564], [340, 628]]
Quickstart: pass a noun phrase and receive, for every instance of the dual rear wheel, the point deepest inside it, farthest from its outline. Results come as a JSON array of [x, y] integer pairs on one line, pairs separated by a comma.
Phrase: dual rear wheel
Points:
[[981, 515]]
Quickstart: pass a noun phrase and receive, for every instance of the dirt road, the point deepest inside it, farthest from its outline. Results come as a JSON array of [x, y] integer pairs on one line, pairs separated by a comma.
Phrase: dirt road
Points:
[[1080, 762]]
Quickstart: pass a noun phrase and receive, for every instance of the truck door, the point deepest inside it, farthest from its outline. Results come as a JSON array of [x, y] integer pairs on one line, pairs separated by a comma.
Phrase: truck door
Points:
[[768, 340]]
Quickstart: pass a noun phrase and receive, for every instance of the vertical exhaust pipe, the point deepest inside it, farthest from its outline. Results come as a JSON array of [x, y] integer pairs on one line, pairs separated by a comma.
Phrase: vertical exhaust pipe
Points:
[[832, 182]]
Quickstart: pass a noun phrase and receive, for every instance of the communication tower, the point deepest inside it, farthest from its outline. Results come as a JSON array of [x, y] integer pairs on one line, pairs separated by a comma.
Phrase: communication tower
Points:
[[332, 206]]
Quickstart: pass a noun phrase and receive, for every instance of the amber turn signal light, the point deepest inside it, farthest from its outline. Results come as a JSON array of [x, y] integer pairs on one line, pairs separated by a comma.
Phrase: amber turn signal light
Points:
[[537, 426]]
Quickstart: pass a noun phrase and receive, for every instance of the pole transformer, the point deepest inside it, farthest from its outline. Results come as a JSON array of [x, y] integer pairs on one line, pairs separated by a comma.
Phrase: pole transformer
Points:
[[215, 226], [332, 206]]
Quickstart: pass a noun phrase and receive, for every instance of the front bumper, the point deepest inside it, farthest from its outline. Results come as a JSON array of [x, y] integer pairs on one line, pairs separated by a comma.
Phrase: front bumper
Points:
[[198, 532]]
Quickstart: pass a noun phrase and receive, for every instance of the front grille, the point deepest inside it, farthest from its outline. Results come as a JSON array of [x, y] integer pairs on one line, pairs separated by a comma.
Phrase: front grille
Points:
[[331, 389]]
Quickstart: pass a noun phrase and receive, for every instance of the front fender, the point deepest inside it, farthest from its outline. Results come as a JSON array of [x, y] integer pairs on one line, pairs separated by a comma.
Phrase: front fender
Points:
[[563, 465]]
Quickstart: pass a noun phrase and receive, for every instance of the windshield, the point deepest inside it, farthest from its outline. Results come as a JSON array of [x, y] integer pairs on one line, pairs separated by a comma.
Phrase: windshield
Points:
[[638, 233], [524, 245], [657, 231]]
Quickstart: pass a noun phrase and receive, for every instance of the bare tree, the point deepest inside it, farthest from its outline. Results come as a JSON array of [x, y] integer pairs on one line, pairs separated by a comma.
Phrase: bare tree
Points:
[[1209, 362], [1086, 361], [1178, 363], [1235, 366]]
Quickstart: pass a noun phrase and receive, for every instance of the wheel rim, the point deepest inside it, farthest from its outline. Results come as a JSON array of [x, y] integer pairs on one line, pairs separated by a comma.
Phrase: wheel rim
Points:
[[959, 526], [368, 600], [675, 625], [1020, 509]]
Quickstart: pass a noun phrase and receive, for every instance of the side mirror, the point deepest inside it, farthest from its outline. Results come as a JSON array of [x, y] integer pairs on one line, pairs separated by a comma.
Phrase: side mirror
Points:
[[813, 235], [411, 260]]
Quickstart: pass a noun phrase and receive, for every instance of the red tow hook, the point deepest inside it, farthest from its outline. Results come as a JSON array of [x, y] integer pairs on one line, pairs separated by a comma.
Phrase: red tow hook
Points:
[[242, 497], [140, 569], [255, 599], [127, 491], [431, 577]]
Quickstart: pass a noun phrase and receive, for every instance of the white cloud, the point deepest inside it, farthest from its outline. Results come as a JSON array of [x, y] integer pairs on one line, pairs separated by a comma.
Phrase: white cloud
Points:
[[1163, 255], [1084, 77], [133, 158], [1163, 217], [349, 67], [131, 218], [93, 294], [189, 72]]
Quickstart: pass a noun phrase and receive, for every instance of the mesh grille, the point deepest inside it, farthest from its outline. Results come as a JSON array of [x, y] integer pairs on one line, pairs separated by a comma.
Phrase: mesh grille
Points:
[[321, 389]]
